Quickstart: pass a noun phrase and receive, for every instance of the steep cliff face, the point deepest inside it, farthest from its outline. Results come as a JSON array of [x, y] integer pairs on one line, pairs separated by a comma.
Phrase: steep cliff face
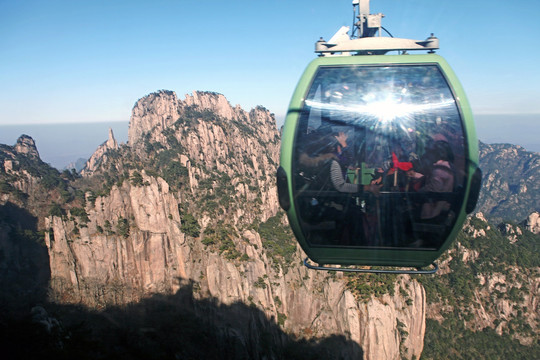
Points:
[[152, 113], [26, 185], [187, 199], [128, 243], [16, 165], [111, 267]]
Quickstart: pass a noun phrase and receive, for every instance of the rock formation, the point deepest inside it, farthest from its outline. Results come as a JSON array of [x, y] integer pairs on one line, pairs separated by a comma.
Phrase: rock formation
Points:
[[26, 145], [154, 112], [533, 223], [100, 155], [133, 242]]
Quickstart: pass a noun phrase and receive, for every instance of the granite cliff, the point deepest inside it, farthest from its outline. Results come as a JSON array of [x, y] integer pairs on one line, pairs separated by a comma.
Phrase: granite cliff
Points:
[[195, 211], [190, 199]]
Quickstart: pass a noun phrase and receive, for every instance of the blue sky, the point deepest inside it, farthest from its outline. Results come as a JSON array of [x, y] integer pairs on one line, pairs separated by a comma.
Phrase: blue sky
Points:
[[85, 61]]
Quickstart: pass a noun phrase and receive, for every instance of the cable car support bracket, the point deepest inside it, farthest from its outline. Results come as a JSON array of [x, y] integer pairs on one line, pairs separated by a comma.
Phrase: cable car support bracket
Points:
[[363, 41]]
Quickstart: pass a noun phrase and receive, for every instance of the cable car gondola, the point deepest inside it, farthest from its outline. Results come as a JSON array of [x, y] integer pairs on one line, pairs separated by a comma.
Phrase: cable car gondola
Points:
[[379, 153]]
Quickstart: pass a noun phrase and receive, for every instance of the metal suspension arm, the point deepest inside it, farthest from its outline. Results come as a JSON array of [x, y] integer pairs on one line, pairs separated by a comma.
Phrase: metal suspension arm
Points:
[[374, 271], [363, 39]]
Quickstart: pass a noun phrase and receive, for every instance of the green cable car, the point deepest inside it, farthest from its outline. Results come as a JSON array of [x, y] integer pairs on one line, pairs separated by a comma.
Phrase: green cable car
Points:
[[379, 154]]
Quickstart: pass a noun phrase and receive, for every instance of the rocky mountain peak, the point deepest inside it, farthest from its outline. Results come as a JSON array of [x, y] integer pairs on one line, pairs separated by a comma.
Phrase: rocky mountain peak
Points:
[[26, 145], [156, 110], [214, 102], [111, 141], [160, 110]]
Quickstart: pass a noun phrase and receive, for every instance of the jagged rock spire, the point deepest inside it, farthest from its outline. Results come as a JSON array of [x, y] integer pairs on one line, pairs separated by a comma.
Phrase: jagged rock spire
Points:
[[111, 142], [100, 154]]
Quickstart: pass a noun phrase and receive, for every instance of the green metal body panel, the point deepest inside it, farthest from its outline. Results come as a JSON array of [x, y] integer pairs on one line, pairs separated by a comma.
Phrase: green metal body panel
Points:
[[374, 256]]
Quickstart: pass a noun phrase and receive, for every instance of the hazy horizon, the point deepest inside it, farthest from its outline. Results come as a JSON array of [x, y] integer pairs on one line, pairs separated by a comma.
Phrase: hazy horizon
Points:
[[516, 129], [62, 144]]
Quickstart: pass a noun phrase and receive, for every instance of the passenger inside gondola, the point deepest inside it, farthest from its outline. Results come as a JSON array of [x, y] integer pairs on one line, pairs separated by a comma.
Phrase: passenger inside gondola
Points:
[[322, 208], [437, 166], [364, 173]]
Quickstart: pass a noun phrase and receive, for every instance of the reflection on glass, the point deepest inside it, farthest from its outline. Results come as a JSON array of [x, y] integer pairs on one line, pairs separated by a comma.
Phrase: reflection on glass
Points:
[[379, 157]]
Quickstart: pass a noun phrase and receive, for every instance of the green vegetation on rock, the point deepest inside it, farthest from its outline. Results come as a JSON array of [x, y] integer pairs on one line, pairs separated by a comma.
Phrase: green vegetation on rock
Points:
[[190, 226], [277, 240], [460, 290], [451, 340]]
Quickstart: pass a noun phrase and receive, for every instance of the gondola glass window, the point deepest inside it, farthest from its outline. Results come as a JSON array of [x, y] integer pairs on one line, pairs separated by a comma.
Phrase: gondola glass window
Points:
[[379, 158]]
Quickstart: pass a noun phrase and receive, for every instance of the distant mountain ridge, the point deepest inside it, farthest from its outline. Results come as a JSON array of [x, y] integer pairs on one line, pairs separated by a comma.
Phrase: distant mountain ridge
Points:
[[510, 184]]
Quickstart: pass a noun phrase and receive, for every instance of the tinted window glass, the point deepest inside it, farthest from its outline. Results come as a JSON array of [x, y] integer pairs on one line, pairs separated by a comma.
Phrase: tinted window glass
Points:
[[379, 157]]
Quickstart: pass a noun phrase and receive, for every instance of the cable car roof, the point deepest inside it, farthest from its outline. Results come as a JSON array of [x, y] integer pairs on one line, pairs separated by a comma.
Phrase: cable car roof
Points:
[[363, 40]]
